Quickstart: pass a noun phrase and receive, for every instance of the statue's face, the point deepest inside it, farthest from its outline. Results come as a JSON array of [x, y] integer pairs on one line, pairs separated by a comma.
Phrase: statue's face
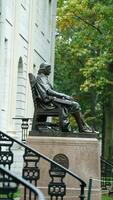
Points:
[[48, 70]]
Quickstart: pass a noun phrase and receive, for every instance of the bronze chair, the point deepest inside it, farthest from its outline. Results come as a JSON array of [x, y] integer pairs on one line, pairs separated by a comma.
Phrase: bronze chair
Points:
[[41, 114]]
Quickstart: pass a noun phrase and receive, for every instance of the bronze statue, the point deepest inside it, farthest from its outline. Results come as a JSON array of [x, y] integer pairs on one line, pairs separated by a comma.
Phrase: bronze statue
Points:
[[49, 99]]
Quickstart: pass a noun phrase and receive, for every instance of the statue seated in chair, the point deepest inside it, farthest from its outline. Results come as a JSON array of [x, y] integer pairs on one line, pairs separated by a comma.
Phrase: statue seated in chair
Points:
[[48, 102]]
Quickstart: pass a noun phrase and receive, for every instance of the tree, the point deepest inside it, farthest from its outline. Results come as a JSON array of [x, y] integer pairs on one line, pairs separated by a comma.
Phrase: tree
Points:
[[84, 52]]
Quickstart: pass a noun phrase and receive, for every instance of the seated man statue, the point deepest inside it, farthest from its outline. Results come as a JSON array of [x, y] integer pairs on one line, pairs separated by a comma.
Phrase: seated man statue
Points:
[[68, 105]]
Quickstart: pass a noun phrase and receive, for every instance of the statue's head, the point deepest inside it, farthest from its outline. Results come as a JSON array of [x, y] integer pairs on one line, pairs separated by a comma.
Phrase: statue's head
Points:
[[44, 68]]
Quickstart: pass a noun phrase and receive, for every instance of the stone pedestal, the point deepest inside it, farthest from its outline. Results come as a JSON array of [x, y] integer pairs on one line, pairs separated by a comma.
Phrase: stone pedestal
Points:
[[84, 160]]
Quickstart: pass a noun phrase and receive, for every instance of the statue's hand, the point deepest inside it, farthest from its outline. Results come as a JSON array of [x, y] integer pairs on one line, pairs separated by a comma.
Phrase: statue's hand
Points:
[[50, 98], [68, 97]]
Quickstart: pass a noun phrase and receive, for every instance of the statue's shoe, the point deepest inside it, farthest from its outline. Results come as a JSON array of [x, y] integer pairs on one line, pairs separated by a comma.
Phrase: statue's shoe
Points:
[[94, 131], [88, 131]]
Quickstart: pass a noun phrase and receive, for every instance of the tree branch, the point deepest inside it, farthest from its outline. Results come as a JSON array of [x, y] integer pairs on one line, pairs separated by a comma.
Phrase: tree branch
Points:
[[89, 23]]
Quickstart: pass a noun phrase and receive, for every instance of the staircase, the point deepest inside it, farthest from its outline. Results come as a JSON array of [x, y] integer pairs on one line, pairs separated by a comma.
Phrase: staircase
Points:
[[12, 186], [27, 177]]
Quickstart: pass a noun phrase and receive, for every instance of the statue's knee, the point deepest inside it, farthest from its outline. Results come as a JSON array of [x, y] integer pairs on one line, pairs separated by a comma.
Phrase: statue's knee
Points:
[[77, 106]]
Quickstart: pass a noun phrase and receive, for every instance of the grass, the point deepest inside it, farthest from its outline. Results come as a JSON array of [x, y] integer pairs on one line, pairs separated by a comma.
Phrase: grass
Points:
[[105, 197], [15, 195]]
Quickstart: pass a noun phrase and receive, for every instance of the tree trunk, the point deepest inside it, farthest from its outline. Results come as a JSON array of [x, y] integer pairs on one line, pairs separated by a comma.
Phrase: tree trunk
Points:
[[107, 138]]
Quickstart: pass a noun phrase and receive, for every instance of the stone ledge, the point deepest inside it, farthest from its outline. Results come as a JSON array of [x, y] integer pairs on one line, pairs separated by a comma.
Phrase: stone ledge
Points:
[[63, 134]]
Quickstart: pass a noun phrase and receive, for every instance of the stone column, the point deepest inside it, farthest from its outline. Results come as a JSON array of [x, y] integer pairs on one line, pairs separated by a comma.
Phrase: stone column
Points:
[[2, 70]]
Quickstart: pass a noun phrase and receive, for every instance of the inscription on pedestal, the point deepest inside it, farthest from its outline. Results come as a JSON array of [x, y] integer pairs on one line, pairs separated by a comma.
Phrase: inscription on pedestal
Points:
[[62, 159]]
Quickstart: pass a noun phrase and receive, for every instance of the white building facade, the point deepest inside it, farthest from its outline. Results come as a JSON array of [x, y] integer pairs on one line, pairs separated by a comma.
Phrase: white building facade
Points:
[[27, 38]]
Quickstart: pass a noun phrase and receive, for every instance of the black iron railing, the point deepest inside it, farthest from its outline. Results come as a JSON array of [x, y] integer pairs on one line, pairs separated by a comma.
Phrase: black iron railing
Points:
[[25, 124], [31, 170], [106, 174], [11, 185]]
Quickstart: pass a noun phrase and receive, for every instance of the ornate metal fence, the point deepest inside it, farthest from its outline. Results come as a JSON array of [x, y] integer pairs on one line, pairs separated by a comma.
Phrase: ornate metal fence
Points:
[[106, 175], [12, 187], [31, 171], [25, 124]]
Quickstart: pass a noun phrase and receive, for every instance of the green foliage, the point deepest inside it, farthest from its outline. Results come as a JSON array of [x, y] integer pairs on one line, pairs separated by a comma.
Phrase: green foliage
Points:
[[86, 31], [105, 197], [15, 195], [84, 53]]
